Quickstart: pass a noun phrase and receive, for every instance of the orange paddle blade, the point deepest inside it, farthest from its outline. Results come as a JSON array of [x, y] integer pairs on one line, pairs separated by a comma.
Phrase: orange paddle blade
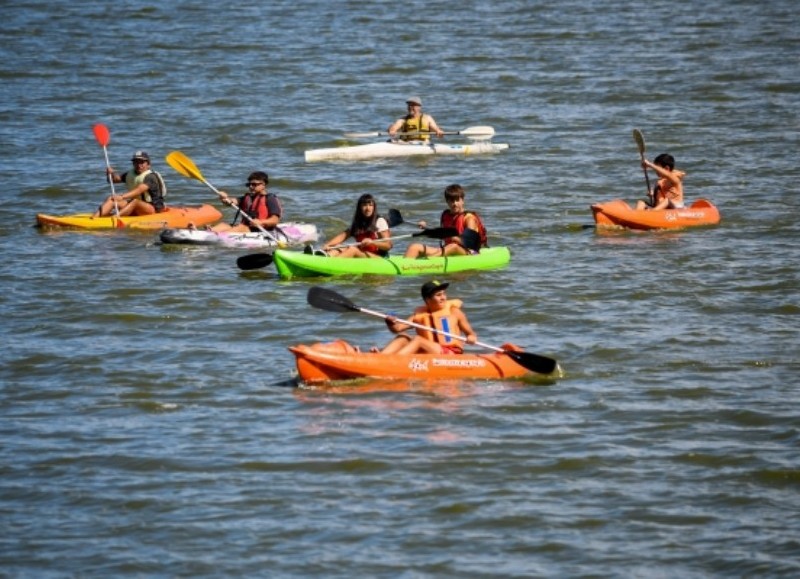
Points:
[[101, 134]]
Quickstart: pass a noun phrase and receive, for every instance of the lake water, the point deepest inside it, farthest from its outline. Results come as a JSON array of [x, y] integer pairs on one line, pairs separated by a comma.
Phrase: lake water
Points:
[[150, 420]]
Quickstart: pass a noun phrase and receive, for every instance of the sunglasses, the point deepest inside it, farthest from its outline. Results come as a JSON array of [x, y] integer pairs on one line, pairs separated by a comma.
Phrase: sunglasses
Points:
[[254, 183]]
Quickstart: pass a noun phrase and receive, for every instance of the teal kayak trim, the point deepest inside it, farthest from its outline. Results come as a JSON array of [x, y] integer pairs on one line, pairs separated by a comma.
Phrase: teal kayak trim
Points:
[[292, 264]]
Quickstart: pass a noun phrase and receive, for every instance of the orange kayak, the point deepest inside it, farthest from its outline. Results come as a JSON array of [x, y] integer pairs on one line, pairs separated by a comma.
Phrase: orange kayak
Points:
[[618, 213], [338, 360], [175, 217]]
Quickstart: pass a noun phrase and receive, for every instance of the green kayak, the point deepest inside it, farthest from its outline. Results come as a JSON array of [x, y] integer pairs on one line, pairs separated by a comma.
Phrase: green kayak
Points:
[[298, 264]]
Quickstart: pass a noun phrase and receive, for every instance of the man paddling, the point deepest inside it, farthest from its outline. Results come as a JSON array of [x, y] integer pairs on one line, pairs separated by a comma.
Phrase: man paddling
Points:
[[471, 230], [438, 313], [145, 194], [416, 125]]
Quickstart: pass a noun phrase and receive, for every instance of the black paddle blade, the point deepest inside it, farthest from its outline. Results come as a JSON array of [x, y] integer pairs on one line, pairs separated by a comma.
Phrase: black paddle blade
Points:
[[394, 218], [534, 362], [329, 300], [254, 261], [471, 239], [437, 233]]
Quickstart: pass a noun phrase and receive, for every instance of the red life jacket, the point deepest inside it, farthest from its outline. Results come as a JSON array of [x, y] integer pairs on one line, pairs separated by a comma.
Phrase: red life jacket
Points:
[[371, 248], [458, 221]]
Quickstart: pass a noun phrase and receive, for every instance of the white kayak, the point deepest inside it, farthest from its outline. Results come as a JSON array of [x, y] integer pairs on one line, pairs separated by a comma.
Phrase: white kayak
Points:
[[287, 235], [402, 149]]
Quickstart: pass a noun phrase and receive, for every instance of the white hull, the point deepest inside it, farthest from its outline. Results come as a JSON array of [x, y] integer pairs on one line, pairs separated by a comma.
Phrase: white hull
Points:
[[287, 234], [402, 149]]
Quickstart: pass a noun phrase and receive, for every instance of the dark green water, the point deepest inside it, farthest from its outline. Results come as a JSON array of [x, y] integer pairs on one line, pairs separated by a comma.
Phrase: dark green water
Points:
[[149, 423]]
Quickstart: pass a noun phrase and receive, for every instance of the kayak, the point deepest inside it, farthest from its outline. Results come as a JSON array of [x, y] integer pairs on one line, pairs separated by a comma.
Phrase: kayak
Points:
[[618, 213], [338, 360], [402, 149], [286, 234], [298, 264], [170, 217]]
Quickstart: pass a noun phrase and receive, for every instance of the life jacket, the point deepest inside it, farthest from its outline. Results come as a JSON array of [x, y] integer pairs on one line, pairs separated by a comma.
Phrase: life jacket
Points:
[[458, 221], [255, 206], [416, 125], [132, 180], [443, 320], [371, 248]]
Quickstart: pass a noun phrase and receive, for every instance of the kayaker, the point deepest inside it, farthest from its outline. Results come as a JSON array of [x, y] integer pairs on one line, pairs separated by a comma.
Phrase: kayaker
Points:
[[263, 207], [668, 191], [414, 122], [368, 228], [472, 232], [145, 194], [439, 313]]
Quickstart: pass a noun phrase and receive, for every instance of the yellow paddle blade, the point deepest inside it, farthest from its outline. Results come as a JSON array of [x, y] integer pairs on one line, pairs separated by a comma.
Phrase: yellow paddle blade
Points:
[[184, 165]]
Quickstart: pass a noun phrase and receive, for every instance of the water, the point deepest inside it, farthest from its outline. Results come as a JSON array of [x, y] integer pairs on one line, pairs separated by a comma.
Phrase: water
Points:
[[150, 422]]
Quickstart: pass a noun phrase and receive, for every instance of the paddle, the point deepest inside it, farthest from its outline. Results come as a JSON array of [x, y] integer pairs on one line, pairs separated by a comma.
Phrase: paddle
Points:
[[186, 167], [481, 132], [470, 239], [103, 136], [331, 301], [259, 260], [639, 138], [434, 233], [254, 261]]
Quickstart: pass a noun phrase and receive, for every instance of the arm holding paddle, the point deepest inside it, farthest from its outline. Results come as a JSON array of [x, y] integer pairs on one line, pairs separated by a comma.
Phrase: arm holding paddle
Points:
[[471, 232], [373, 238], [185, 166], [145, 195], [416, 125]]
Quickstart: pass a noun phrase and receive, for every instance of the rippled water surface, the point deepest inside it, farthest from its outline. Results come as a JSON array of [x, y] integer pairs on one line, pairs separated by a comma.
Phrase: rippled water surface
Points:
[[151, 424]]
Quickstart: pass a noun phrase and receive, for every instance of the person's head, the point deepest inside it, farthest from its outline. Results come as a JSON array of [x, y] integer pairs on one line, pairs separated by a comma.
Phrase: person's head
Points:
[[257, 182], [414, 104], [366, 213], [434, 293], [454, 197], [141, 161], [665, 160]]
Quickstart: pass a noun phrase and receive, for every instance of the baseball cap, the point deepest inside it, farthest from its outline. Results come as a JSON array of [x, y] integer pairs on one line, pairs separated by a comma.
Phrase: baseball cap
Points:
[[140, 155], [414, 100], [431, 287]]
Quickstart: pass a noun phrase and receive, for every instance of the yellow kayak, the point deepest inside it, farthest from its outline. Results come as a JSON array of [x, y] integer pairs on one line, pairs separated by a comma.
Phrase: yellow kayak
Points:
[[175, 217]]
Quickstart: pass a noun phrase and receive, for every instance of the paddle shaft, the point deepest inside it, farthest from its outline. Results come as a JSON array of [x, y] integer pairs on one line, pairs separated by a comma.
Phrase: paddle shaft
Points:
[[639, 138], [430, 329], [102, 135], [481, 131], [438, 233]]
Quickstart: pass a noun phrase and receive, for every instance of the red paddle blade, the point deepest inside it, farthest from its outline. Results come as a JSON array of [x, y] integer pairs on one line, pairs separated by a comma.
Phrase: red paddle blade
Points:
[[101, 134]]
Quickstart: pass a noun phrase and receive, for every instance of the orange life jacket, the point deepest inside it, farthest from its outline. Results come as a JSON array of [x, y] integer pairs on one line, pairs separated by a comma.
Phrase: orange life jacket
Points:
[[443, 320]]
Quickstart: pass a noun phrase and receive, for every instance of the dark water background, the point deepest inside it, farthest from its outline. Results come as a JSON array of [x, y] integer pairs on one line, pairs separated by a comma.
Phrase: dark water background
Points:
[[149, 424]]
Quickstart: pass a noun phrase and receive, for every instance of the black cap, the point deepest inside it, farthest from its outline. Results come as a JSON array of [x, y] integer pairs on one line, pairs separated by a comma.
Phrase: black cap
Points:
[[431, 287]]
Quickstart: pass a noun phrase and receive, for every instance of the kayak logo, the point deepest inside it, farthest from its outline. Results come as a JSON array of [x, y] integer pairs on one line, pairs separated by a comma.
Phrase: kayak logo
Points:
[[417, 365]]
